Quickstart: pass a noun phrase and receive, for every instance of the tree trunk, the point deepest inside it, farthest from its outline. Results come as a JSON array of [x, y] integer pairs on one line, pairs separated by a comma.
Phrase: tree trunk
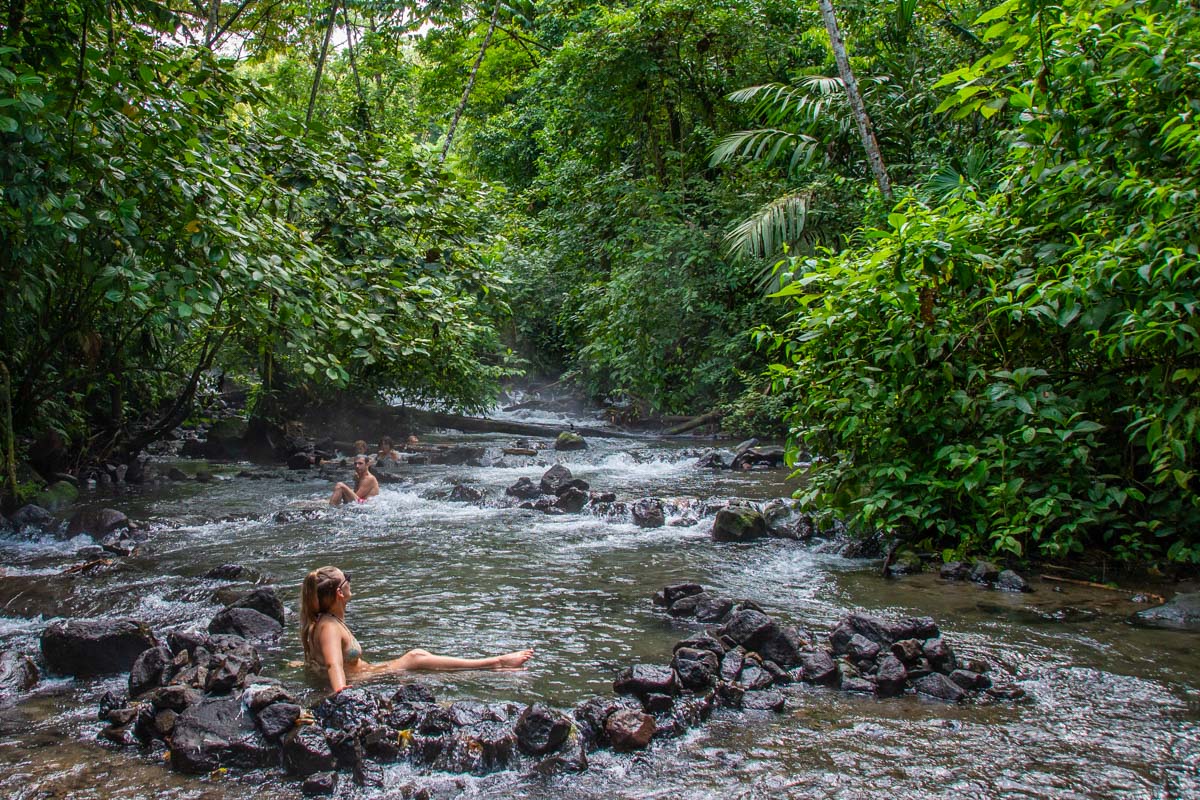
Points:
[[214, 17], [462, 104], [865, 129], [8, 450], [694, 423]]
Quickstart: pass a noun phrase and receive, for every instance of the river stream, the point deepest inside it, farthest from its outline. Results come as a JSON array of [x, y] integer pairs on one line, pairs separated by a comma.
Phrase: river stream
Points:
[[1111, 711]]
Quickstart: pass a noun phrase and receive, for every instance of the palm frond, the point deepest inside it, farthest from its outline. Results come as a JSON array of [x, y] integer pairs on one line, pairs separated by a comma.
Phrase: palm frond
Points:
[[780, 222], [764, 144]]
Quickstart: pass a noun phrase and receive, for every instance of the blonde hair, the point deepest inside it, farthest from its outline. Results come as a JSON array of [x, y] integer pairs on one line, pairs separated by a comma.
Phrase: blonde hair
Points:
[[360, 446], [316, 597]]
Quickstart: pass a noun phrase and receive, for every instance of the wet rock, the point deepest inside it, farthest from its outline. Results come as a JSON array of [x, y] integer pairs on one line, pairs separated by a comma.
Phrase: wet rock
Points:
[[572, 500], [524, 489], [955, 571], [540, 729], [731, 665], [150, 670], [247, 623], [969, 680], [1010, 581], [985, 572], [414, 693], [591, 715], [121, 735], [769, 700], [702, 641], [479, 749], [648, 513], [86, 648], [306, 751], [296, 462], [644, 679], [226, 673], [668, 595], [216, 732], [1181, 613], [657, 702], [164, 724], [576, 483], [754, 677], [319, 784], [237, 647], [713, 459], [462, 493], [759, 458], [570, 759], [749, 628], [940, 656], [264, 600], [907, 650], [860, 648], [18, 673], [891, 677], [905, 562], [857, 684], [570, 441], [98, 522], [882, 632], [629, 729], [232, 572], [33, 518], [121, 716], [554, 479], [277, 719], [819, 668], [57, 496], [697, 669], [738, 524], [174, 698], [939, 687], [784, 646]]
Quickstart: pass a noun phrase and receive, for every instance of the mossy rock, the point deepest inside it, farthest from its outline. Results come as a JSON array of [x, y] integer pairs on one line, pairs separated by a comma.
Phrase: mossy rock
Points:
[[570, 441], [738, 524], [57, 496], [232, 429]]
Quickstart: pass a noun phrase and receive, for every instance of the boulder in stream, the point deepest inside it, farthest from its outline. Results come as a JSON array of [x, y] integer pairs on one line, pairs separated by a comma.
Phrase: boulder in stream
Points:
[[217, 732], [629, 729], [99, 522], [33, 518], [570, 441], [648, 513], [86, 648], [57, 496], [554, 479], [540, 729], [246, 622], [18, 673], [264, 600], [738, 524], [524, 489], [1181, 613]]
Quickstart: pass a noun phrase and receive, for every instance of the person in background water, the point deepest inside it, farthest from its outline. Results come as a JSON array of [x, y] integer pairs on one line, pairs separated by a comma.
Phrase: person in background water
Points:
[[365, 485], [332, 652], [386, 451], [360, 447]]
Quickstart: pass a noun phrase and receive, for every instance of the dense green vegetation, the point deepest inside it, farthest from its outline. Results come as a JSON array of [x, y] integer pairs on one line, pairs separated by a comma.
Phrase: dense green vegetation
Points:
[[668, 200]]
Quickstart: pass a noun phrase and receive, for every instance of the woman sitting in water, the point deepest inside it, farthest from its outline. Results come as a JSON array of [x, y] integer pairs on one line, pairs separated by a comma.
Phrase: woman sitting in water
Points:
[[330, 649], [385, 451]]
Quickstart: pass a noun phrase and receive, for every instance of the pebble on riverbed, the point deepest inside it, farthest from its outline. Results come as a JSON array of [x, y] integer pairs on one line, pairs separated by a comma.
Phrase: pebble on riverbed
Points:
[[866, 654]]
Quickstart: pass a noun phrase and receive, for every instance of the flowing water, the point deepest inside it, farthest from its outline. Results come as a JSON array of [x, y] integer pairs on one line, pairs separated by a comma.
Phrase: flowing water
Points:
[[1112, 711]]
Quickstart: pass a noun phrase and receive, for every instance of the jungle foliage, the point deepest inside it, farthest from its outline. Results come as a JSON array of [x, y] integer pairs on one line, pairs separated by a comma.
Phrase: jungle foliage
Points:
[[1014, 369]]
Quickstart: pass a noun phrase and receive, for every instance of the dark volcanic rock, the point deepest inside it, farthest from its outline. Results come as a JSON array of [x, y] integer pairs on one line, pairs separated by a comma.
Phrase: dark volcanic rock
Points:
[[769, 700], [712, 609], [819, 668], [247, 623], [891, 677], [1010, 581], [18, 673], [731, 665], [264, 600], [319, 784], [955, 571], [939, 687], [217, 732], [99, 522], [648, 513], [232, 572], [940, 656], [644, 679], [749, 628], [572, 500], [1182, 612], [702, 641], [570, 441], [462, 493], [85, 648], [985, 572], [151, 670], [784, 646], [738, 524], [540, 729], [277, 719], [555, 478], [591, 714], [668, 595], [629, 729], [907, 650], [525, 489], [697, 669], [860, 648], [307, 751], [32, 517]]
